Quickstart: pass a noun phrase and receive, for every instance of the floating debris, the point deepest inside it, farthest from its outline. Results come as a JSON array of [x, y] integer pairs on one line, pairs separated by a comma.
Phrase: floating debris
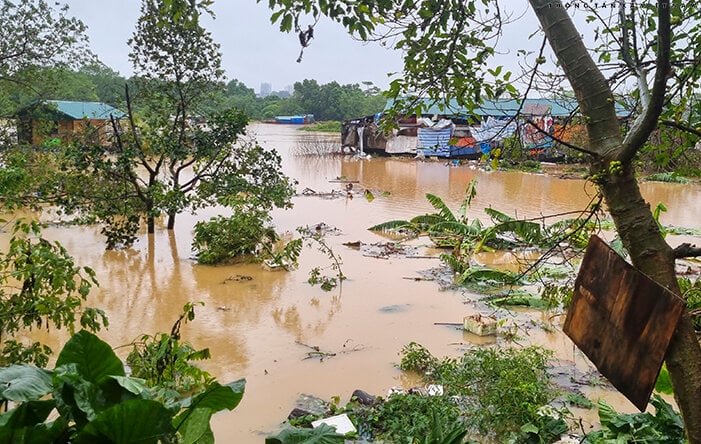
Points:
[[341, 423], [480, 325], [397, 308], [238, 278]]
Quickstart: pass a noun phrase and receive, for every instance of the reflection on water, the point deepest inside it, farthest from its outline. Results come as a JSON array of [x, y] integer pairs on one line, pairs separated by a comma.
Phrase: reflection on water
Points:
[[259, 328]]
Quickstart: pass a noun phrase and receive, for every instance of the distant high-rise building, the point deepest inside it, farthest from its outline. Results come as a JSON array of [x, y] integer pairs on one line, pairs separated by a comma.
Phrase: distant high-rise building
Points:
[[265, 89]]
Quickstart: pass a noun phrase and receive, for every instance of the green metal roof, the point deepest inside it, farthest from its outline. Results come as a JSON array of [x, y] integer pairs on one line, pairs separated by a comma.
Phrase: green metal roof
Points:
[[508, 108], [89, 110]]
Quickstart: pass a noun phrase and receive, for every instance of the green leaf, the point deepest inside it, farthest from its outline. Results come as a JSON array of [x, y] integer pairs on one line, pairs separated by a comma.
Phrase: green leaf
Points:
[[606, 412], [392, 225], [530, 428], [664, 383], [94, 358], [194, 420], [324, 434], [27, 414], [133, 385], [498, 216], [39, 434], [20, 383], [197, 429], [219, 397], [668, 420], [442, 208], [136, 421]]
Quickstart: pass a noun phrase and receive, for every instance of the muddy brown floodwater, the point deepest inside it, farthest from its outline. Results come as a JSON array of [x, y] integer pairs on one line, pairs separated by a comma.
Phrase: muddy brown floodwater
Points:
[[261, 328]]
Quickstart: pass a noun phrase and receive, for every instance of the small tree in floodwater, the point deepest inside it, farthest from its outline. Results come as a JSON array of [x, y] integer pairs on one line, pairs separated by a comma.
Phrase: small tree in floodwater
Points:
[[41, 288], [172, 152], [448, 49]]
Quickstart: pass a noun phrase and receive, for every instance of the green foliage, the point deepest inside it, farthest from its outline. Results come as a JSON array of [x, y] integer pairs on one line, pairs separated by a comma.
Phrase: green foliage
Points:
[[323, 434], [224, 239], [417, 358], [664, 426], [446, 46], [518, 162], [286, 256], [502, 394], [174, 151], [672, 177], [164, 361], [464, 238], [42, 288], [486, 276], [38, 37], [557, 295], [327, 283], [664, 382], [316, 275], [96, 402], [328, 102], [414, 418], [501, 389], [691, 291], [333, 101], [578, 400]]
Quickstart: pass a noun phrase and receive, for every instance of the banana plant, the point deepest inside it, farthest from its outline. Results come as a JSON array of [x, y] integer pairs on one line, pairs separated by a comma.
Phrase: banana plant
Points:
[[443, 227]]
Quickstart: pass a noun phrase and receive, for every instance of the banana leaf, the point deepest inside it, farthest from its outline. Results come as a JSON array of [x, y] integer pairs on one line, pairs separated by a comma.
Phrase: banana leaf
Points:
[[442, 208], [394, 225]]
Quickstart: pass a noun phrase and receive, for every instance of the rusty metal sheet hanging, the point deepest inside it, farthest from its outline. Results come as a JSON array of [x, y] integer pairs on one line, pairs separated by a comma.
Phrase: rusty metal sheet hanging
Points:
[[622, 320]]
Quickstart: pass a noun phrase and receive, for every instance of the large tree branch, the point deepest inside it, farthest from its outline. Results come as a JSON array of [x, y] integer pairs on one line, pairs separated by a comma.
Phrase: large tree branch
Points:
[[634, 65], [679, 126], [589, 84], [687, 250], [647, 121]]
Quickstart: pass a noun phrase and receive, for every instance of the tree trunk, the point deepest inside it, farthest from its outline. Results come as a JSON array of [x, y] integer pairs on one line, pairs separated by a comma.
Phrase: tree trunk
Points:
[[150, 219], [611, 166], [171, 221], [653, 256]]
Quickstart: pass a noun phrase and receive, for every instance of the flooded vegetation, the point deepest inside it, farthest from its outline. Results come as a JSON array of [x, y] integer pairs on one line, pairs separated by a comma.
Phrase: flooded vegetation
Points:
[[287, 337]]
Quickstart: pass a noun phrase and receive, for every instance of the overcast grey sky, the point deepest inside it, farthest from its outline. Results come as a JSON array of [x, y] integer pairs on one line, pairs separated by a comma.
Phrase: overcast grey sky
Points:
[[253, 49]]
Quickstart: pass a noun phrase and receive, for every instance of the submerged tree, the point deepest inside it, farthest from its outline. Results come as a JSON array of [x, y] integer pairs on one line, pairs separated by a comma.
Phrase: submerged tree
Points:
[[173, 152], [448, 49]]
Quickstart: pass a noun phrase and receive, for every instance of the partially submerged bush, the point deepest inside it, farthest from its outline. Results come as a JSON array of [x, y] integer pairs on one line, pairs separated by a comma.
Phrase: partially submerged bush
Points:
[[164, 362], [225, 239], [500, 389], [411, 418]]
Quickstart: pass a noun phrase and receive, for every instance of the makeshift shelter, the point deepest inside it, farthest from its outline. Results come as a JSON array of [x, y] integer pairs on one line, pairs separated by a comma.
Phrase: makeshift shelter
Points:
[[471, 133], [61, 119]]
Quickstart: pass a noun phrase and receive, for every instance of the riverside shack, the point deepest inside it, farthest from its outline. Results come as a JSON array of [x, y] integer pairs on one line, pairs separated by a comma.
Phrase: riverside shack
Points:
[[452, 131]]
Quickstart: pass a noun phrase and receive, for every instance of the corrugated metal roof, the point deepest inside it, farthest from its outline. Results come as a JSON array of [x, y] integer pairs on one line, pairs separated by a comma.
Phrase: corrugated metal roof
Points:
[[509, 108], [89, 110]]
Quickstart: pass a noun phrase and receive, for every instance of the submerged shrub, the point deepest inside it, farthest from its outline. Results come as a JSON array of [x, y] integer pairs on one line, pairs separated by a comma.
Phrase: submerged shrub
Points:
[[410, 418], [223, 239], [500, 389]]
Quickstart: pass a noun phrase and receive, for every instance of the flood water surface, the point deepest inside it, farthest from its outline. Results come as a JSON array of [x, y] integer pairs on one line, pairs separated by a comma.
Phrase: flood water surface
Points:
[[266, 326]]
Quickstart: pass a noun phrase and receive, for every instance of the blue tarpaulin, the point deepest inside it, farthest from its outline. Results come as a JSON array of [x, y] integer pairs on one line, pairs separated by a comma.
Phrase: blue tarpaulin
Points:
[[434, 142]]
